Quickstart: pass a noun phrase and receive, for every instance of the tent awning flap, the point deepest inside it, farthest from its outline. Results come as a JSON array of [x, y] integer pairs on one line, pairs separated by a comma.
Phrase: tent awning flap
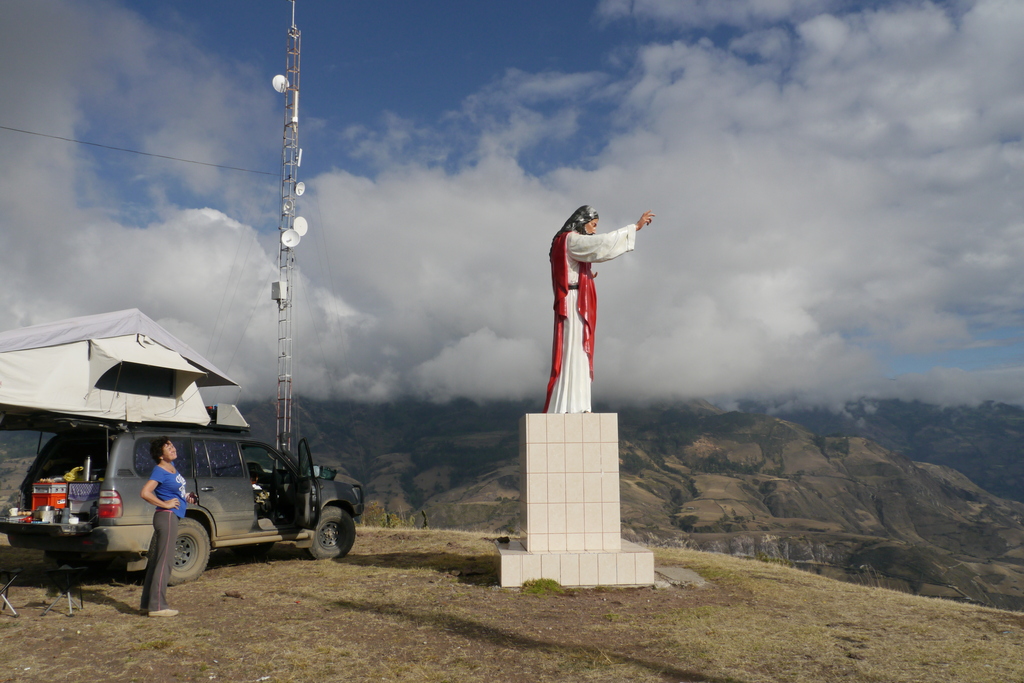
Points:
[[109, 325], [141, 350]]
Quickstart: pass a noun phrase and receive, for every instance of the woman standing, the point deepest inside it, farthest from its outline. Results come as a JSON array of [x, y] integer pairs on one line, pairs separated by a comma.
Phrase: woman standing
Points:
[[573, 249], [166, 490]]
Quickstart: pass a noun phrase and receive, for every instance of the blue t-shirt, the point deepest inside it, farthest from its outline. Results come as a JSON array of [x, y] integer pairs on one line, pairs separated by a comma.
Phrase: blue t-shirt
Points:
[[170, 486]]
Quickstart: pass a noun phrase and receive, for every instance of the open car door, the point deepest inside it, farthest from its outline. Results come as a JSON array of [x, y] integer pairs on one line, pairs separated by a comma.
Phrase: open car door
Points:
[[308, 502]]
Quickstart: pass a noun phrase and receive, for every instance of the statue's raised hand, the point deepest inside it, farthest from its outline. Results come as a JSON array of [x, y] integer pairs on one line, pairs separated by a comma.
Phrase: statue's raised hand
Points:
[[645, 220]]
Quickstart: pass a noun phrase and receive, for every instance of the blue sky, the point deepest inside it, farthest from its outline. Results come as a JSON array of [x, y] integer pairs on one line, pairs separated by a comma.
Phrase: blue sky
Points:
[[837, 187], [415, 60]]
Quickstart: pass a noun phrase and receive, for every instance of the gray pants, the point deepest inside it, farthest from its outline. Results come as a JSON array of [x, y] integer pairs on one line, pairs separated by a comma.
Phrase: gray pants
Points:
[[159, 560]]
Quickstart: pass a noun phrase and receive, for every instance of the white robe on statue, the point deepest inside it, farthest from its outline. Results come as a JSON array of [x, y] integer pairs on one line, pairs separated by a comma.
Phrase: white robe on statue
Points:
[[571, 393]]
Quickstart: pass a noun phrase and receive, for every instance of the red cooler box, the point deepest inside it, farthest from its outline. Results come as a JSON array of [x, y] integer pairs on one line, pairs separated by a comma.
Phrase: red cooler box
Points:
[[48, 493]]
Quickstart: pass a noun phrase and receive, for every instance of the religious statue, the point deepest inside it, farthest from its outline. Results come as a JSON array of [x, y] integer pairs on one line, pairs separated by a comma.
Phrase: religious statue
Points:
[[573, 249]]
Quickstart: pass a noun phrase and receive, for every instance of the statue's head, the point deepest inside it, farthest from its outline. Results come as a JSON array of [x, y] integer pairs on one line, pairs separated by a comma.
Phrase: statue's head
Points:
[[579, 219]]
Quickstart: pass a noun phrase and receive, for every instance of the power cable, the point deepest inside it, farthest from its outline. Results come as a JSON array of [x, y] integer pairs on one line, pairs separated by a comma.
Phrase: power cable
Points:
[[135, 151]]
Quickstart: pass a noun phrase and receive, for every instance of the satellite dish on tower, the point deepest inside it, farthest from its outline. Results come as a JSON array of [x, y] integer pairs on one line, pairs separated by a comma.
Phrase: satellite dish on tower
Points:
[[300, 188], [280, 83], [300, 226], [288, 206], [290, 238]]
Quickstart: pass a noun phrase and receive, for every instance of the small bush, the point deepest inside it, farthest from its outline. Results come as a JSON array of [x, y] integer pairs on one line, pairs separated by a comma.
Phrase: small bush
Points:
[[374, 514], [542, 587], [762, 557]]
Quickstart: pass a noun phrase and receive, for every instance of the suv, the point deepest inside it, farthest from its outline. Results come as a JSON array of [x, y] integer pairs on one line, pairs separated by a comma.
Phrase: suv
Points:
[[250, 495]]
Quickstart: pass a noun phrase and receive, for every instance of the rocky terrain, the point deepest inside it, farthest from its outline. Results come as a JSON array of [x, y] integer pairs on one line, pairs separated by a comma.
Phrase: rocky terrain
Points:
[[985, 442]]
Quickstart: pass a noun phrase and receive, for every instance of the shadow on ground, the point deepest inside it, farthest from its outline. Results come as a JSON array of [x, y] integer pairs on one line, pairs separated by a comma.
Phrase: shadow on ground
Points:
[[480, 570], [508, 639]]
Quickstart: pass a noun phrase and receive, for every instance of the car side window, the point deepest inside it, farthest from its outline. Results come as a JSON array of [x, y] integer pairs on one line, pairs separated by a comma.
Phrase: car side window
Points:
[[215, 458], [144, 463], [260, 461]]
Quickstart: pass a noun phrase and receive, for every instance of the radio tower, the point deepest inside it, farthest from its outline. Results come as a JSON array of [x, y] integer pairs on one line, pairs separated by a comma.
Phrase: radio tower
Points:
[[292, 229]]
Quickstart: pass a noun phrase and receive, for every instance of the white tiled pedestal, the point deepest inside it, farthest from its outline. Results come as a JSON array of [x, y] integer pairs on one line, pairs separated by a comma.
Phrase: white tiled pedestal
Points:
[[569, 506]]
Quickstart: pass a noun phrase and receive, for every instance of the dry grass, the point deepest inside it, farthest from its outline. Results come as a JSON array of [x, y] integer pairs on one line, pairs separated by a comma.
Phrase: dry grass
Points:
[[789, 625], [422, 606]]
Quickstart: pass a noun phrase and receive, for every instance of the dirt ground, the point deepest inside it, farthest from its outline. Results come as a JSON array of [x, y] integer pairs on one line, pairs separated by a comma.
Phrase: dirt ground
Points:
[[389, 611], [407, 605]]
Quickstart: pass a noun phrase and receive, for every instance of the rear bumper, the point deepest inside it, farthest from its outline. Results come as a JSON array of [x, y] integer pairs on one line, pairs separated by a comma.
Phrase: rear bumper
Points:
[[78, 538]]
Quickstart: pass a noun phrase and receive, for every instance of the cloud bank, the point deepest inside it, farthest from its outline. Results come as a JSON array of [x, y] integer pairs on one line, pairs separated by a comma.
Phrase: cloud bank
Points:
[[836, 188]]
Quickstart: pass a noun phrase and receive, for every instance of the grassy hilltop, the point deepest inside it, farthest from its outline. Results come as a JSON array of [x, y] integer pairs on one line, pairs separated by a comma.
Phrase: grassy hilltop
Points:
[[423, 606]]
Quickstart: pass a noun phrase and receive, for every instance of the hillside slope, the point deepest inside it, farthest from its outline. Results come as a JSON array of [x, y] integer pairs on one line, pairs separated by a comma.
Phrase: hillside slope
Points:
[[985, 442], [729, 479]]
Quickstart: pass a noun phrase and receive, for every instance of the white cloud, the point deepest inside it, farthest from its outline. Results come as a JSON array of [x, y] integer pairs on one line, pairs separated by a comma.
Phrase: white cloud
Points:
[[953, 386], [833, 185], [483, 366]]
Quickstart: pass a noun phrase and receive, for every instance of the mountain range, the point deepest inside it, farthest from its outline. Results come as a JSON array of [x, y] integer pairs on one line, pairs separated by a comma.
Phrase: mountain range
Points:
[[888, 493]]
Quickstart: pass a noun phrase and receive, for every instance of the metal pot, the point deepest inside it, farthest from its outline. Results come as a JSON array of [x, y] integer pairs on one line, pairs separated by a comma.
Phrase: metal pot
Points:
[[43, 513]]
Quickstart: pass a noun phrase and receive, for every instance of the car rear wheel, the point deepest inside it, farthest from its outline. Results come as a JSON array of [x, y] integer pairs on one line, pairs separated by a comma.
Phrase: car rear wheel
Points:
[[191, 552], [334, 535]]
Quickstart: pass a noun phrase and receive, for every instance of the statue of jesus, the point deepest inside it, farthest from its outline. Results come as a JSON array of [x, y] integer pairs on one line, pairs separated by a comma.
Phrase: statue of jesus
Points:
[[573, 249]]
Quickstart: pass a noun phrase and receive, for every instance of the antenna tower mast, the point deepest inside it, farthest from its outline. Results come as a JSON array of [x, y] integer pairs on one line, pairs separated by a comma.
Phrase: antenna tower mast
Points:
[[292, 227]]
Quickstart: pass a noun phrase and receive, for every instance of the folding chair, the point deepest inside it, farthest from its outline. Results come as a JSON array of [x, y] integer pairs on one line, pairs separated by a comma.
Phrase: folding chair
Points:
[[7, 577], [66, 579]]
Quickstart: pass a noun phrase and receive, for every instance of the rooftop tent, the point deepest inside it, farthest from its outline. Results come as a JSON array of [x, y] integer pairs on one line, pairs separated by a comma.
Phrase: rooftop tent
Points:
[[120, 366]]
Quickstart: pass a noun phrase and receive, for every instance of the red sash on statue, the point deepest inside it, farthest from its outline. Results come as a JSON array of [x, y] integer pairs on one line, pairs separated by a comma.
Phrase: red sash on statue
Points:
[[586, 305]]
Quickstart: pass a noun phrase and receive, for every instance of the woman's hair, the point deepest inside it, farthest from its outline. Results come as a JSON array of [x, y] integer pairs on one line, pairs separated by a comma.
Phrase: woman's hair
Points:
[[156, 448]]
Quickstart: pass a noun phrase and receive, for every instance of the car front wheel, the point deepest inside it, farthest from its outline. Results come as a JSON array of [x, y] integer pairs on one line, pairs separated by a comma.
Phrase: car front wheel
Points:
[[334, 535]]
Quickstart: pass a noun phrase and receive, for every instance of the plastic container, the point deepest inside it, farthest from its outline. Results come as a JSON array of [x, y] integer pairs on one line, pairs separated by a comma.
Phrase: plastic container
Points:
[[50, 487], [46, 493], [54, 500]]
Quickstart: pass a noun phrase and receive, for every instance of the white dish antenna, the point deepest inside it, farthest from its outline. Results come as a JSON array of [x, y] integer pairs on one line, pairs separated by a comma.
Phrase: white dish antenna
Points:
[[289, 206], [280, 83], [290, 238], [300, 226], [300, 188]]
